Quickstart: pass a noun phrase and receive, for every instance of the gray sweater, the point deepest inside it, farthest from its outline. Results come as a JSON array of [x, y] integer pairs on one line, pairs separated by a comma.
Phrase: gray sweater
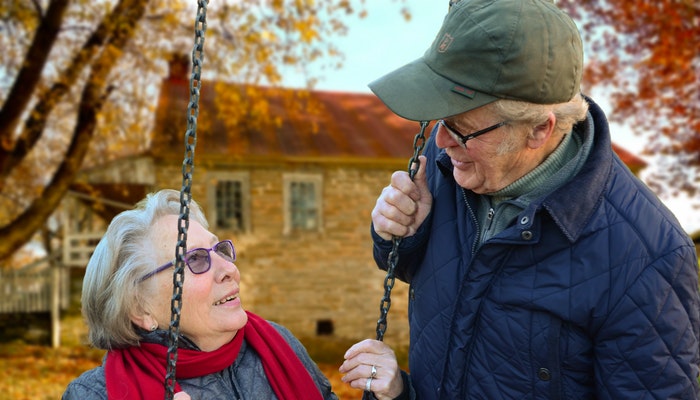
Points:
[[244, 379]]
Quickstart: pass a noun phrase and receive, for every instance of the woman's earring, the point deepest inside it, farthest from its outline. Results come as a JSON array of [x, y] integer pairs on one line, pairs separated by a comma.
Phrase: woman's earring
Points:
[[154, 327]]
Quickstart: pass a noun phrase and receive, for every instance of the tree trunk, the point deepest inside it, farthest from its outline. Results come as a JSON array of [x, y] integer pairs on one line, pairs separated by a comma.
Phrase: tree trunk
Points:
[[13, 153], [123, 21]]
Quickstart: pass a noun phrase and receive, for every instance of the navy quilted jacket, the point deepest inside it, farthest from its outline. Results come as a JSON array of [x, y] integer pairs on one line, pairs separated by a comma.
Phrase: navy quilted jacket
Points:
[[592, 293]]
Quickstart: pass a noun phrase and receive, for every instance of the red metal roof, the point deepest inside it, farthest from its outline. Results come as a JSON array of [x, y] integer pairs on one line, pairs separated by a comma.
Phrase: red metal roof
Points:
[[332, 124], [296, 124]]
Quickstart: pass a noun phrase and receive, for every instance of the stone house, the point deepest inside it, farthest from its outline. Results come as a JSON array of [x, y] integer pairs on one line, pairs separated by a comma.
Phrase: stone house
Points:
[[295, 197]]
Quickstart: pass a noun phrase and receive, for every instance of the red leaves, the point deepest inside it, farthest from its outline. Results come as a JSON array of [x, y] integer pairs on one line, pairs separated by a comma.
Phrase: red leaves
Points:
[[644, 52]]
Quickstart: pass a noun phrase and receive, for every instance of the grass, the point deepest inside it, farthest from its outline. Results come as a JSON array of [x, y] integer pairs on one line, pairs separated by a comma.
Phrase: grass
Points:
[[40, 372]]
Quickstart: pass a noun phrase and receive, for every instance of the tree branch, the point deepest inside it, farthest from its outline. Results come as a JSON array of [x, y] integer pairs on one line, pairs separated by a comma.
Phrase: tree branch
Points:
[[30, 73], [122, 27], [36, 122]]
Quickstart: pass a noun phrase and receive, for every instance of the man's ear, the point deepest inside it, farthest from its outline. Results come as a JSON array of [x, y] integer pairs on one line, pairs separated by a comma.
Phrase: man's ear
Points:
[[542, 133]]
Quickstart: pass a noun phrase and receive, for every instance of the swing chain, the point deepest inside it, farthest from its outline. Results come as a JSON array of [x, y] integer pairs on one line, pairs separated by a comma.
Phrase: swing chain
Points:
[[413, 165], [185, 197], [390, 279]]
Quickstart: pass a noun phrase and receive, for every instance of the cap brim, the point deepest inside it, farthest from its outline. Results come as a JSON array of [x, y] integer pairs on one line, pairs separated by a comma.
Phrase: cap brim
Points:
[[416, 92]]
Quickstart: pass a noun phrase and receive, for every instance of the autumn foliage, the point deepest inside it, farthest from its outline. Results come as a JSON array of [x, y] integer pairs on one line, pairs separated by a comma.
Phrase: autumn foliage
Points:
[[645, 54], [78, 79]]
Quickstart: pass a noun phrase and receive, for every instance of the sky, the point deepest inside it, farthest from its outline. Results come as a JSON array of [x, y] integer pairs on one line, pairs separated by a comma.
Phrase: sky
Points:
[[384, 41]]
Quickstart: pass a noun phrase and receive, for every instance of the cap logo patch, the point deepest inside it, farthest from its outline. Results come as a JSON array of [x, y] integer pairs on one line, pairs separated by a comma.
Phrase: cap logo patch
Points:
[[466, 92], [445, 43]]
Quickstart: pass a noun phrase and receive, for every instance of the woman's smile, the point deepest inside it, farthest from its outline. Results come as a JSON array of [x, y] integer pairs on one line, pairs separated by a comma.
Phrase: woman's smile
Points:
[[231, 300]]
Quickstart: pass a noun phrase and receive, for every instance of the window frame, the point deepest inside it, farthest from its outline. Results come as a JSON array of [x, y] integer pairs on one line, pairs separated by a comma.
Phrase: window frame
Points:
[[216, 177], [317, 181]]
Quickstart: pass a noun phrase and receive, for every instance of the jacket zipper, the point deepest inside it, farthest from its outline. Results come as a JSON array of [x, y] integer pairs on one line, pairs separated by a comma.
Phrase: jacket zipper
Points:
[[472, 214]]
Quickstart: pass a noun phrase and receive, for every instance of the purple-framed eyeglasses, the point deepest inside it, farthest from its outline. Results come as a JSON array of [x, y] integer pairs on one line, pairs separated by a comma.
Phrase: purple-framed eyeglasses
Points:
[[463, 138], [199, 260]]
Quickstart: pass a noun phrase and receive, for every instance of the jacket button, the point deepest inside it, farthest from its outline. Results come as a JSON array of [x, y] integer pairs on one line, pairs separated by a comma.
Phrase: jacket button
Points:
[[543, 374], [412, 294], [526, 235]]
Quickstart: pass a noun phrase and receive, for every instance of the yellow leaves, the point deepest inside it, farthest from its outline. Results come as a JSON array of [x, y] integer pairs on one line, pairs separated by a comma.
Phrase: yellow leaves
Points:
[[229, 106], [302, 5], [20, 13], [277, 4], [306, 28], [272, 74], [267, 35], [289, 59], [259, 109]]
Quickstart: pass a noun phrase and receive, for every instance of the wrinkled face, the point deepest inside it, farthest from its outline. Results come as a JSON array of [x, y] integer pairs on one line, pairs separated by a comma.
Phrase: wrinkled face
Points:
[[483, 166], [211, 311]]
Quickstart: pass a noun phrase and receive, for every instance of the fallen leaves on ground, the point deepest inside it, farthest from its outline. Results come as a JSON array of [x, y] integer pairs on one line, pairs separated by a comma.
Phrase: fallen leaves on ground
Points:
[[40, 372]]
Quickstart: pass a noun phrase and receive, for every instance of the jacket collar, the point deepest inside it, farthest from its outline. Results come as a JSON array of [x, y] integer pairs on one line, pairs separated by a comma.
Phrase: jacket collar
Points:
[[162, 337], [572, 205]]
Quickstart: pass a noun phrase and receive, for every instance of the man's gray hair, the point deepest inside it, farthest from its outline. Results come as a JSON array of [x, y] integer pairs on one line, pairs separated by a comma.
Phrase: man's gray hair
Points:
[[112, 287], [531, 115]]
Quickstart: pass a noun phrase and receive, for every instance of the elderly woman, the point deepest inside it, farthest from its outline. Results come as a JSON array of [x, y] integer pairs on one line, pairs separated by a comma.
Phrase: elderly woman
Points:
[[224, 351]]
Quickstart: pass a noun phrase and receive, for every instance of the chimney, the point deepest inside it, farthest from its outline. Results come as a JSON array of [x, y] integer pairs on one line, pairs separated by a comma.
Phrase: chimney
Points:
[[179, 68]]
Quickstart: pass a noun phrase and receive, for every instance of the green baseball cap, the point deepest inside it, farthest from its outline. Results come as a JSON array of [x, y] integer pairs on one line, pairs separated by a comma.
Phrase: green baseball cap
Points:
[[486, 50]]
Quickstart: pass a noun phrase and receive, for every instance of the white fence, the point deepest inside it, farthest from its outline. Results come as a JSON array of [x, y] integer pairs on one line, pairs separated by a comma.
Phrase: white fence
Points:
[[78, 248], [25, 292]]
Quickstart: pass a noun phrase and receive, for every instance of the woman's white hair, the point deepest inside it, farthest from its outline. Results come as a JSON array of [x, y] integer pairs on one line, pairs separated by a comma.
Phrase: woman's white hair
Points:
[[112, 287], [531, 115]]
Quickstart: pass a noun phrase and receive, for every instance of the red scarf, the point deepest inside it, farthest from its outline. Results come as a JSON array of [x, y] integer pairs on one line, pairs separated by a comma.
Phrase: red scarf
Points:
[[139, 372]]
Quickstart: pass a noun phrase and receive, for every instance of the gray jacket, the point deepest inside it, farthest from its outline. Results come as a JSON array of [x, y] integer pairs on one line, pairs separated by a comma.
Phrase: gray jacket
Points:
[[244, 379]]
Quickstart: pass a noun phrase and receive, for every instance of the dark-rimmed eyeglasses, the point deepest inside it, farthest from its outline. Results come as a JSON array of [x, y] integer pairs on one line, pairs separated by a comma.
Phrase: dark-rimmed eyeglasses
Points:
[[199, 260], [463, 138]]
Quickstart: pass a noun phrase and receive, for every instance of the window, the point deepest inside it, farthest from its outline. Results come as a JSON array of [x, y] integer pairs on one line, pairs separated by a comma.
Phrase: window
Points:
[[229, 200], [303, 210], [324, 327], [229, 205], [302, 202]]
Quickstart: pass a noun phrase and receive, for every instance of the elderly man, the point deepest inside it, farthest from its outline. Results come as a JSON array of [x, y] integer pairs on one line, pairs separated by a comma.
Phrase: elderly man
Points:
[[539, 266]]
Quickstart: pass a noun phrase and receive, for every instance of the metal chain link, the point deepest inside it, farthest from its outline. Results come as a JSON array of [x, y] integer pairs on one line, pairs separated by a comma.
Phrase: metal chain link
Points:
[[185, 197], [393, 259], [413, 165]]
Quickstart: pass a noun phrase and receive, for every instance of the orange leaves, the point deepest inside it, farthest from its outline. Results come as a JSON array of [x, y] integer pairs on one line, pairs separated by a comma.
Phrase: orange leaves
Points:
[[40, 372], [645, 52]]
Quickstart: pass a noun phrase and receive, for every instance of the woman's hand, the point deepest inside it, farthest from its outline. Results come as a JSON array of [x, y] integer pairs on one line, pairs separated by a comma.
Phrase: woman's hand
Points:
[[181, 396], [374, 362]]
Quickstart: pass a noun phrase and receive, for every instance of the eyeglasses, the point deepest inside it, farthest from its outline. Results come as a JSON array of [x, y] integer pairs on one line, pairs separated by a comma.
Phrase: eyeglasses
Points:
[[463, 138], [199, 260]]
